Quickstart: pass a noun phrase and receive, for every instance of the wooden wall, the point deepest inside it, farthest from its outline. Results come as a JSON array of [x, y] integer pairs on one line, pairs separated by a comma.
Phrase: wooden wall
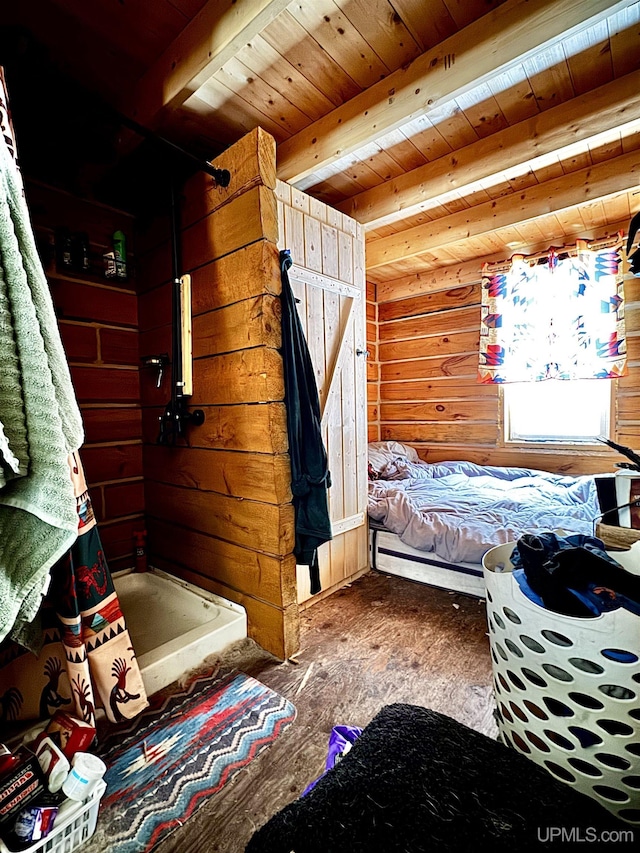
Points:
[[219, 509], [373, 366], [428, 332], [99, 325]]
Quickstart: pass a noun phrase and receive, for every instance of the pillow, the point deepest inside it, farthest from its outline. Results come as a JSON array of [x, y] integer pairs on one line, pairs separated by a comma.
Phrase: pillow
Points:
[[388, 458]]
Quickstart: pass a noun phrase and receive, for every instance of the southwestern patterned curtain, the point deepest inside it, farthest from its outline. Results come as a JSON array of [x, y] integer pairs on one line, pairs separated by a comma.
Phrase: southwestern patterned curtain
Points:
[[561, 319]]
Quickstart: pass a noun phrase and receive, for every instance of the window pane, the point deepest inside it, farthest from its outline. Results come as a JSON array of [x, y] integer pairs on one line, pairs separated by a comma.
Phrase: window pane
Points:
[[554, 410]]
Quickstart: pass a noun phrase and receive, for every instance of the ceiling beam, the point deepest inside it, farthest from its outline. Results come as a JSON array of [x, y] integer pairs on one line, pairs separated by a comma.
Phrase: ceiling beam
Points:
[[580, 120], [469, 273], [215, 35], [502, 38], [619, 174]]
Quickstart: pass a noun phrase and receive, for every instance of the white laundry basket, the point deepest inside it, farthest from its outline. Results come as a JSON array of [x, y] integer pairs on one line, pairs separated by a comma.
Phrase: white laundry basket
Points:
[[75, 823], [567, 689]]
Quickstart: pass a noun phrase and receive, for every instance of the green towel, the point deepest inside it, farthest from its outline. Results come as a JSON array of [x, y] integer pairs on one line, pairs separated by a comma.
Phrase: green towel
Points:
[[41, 422], [14, 459], [10, 466]]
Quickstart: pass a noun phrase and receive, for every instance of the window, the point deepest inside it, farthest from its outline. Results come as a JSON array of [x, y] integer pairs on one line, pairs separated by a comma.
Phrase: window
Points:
[[574, 411]]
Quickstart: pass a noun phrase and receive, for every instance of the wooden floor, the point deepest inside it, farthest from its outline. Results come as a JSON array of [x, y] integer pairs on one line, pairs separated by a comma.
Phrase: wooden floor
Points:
[[381, 640]]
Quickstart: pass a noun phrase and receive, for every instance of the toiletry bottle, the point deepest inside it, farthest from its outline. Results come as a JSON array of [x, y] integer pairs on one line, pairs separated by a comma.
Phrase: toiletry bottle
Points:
[[109, 260], [64, 254], [80, 251], [120, 252]]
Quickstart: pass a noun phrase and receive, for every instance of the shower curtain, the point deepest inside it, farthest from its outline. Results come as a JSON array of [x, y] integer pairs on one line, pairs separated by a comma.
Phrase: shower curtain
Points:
[[52, 655]]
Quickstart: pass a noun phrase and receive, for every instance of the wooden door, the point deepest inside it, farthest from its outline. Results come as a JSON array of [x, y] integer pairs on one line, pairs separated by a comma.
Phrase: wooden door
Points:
[[327, 277]]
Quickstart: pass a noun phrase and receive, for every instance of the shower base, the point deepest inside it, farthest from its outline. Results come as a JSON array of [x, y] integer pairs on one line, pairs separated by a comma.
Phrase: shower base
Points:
[[174, 625]]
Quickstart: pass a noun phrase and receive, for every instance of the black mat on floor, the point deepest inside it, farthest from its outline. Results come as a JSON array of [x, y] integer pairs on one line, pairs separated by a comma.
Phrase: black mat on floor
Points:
[[418, 781]]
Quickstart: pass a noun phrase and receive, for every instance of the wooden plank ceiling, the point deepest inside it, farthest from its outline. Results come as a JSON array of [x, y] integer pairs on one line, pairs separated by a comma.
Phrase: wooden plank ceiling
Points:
[[454, 130]]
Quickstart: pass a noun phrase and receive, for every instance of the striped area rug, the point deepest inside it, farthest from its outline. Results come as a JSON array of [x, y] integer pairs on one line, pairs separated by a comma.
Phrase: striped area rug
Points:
[[177, 754]]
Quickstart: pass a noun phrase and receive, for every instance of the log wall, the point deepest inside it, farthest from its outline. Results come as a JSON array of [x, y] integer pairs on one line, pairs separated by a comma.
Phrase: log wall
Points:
[[219, 508], [373, 366], [98, 321], [428, 338]]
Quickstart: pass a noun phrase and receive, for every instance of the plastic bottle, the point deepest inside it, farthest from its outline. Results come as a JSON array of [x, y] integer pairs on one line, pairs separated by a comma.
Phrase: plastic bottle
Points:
[[64, 255], [120, 252], [80, 251]]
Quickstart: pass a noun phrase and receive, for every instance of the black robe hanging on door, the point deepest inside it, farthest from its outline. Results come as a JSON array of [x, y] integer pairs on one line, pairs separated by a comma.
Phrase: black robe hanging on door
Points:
[[310, 476]]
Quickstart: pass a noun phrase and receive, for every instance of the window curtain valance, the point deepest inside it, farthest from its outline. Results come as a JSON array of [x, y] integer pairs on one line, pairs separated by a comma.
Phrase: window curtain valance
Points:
[[557, 317]]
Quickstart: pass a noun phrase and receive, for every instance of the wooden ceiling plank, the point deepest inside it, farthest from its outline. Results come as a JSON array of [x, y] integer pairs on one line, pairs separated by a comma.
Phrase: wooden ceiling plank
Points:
[[383, 30], [631, 141], [593, 214], [333, 31], [478, 196], [402, 149], [548, 171], [570, 221], [455, 205], [483, 112], [450, 122], [194, 121], [465, 12], [291, 39], [612, 176], [531, 232], [523, 182], [606, 149], [491, 44], [484, 244], [252, 88], [419, 219], [276, 70], [623, 38], [342, 183], [430, 24], [383, 232], [227, 109], [514, 95], [580, 119], [617, 207], [576, 162], [216, 33], [381, 161], [360, 171], [427, 138], [549, 77], [328, 194], [589, 57]]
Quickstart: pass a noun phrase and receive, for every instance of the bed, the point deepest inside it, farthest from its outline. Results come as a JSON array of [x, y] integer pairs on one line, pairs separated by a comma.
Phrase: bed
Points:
[[434, 522]]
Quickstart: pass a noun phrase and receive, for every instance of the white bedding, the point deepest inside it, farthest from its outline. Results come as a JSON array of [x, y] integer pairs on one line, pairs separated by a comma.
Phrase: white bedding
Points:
[[461, 510]]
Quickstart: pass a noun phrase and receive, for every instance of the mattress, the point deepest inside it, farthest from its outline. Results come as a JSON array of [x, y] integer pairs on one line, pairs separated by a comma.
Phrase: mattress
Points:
[[389, 554]]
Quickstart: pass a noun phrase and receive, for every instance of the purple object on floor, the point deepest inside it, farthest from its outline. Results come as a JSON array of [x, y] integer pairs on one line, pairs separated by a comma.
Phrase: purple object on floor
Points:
[[340, 741]]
